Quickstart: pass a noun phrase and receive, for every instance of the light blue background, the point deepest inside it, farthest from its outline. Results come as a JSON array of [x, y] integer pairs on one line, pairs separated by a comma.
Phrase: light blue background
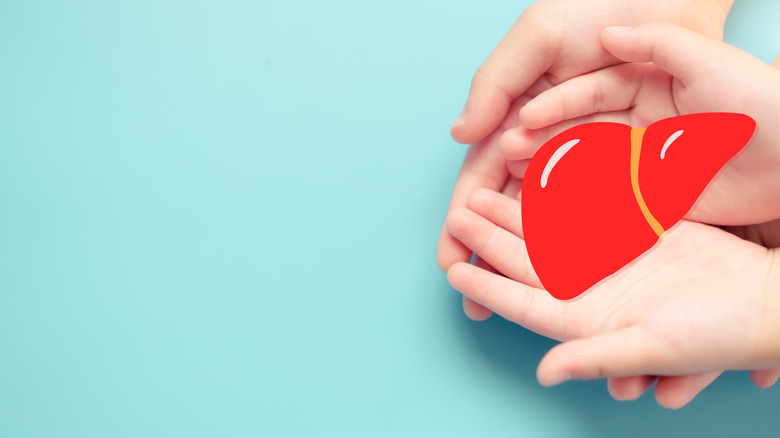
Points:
[[219, 218]]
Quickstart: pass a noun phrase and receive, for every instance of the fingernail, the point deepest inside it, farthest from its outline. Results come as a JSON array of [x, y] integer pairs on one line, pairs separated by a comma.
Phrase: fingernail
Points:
[[618, 29], [461, 120]]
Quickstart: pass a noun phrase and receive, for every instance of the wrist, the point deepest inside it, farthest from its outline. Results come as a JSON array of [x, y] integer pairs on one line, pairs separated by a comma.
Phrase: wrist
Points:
[[714, 10], [707, 17]]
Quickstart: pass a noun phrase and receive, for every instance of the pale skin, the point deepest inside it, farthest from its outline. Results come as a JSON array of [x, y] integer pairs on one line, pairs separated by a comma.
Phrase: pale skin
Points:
[[695, 75], [564, 44], [701, 301], [690, 74], [503, 76], [559, 99]]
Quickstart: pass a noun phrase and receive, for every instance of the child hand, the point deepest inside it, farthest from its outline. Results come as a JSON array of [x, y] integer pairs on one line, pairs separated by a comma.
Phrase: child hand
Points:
[[691, 74], [697, 303], [556, 40], [676, 391], [483, 167]]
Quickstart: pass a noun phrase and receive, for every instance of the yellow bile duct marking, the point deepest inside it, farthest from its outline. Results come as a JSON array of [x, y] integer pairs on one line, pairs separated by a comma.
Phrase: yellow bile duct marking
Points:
[[636, 147]]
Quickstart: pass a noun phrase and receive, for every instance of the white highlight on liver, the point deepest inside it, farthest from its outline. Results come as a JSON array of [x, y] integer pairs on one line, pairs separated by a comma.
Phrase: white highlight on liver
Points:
[[669, 141], [556, 156]]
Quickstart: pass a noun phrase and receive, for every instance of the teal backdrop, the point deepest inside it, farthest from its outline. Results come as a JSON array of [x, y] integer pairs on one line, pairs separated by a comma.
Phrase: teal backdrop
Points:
[[219, 219]]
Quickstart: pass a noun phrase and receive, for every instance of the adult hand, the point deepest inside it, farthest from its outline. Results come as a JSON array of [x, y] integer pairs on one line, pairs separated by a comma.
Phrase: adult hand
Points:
[[556, 40], [689, 74]]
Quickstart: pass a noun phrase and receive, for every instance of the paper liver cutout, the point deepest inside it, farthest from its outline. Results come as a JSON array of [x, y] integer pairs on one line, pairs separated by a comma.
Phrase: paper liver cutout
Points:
[[598, 195]]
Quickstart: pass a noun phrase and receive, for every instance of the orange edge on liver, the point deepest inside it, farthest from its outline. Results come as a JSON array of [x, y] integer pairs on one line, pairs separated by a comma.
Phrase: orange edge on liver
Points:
[[636, 148]]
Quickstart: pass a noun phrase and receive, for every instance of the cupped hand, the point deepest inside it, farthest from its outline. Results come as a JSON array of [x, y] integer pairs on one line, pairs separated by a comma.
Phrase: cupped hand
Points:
[[689, 74], [696, 304], [553, 40], [483, 167], [556, 40]]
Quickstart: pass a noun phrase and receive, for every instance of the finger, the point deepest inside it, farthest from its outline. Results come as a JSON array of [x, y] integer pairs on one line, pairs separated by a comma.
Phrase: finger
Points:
[[674, 392], [499, 209], [626, 352], [475, 311], [527, 306], [630, 387], [517, 168], [512, 187], [500, 248], [513, 66], [483, 167], [685, 54], [471, 308], [522, 143], [764, 378], [607, 90]]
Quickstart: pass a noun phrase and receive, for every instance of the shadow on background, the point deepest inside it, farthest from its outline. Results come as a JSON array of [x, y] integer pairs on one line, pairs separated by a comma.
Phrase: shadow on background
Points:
[[723, 409]]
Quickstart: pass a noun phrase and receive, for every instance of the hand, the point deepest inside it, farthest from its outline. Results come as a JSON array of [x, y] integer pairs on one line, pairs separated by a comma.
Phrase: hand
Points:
[[671, 391], [700, 305], [691, 74], [766, 234], [483, 167], [556, 40], [554, 54], [676, 391]]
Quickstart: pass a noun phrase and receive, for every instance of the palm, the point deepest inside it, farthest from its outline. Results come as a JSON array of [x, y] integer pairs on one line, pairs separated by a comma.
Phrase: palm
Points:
[[527, 65], [666, 292], [691, 74], [739, 195], [667, 281]]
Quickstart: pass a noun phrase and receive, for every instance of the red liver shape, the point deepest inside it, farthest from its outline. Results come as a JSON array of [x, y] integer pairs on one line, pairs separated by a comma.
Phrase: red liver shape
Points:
[[582, 218], [670, 186]]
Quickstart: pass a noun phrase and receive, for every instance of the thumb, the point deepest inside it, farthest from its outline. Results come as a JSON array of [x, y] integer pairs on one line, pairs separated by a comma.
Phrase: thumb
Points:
[[626, 352], [680, 52], [514, 65]]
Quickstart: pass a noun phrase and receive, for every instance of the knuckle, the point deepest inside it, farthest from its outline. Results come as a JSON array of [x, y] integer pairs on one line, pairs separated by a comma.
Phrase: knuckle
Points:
[[524, 308]]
